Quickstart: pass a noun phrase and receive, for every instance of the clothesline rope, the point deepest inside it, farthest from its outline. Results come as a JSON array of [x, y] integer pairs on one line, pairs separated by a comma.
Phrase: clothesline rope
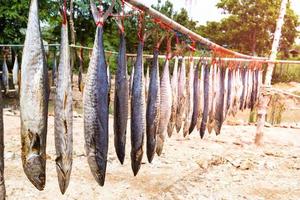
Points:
[[296, 62]]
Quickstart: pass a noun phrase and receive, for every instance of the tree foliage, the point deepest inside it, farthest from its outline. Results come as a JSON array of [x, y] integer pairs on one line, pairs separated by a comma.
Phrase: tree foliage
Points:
[[250, 26]]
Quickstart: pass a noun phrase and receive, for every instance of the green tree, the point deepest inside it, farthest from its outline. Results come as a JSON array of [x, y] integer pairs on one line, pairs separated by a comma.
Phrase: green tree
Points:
[[250, 26]]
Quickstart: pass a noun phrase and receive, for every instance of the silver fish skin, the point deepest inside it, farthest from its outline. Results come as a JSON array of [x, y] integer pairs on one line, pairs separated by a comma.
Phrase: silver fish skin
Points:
[[16, 73], [138, 114], [206, 101], [2, 184], [201, 98], [189, 100], [165, 107], [34, 93], [153, 106], [5, 75], [95, 108], [147, 81], [181, 103], [63, 122], [196, 97], [244, 88], [174, 85], [219, 112], [121, 101]]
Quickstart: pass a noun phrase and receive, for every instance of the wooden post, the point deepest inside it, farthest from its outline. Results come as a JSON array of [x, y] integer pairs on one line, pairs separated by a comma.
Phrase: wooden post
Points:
[[265, 96]]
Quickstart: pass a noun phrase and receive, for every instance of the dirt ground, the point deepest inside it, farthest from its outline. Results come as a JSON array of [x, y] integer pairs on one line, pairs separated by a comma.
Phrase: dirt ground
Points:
[[225, 167]]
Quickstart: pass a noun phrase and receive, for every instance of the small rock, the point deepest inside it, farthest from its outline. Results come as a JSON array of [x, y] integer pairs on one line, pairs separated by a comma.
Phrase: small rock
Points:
[[246, 165]]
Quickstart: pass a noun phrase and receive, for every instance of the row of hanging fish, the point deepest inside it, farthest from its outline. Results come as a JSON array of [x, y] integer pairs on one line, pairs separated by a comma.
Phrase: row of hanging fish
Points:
[[15, 75], [198, 96]]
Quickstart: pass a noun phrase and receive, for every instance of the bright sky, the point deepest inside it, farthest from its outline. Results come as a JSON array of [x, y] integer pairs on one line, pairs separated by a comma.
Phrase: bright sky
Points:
[[205, 10]]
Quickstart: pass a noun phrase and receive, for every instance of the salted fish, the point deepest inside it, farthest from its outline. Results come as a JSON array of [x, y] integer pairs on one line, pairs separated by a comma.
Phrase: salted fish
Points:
[[181, 103], [196, 99], [34, 93], [153, 107], [189, 99], [138, 114], [206, 100], [63, 122], [121, 101], [95, 106], [165, 107], [174, 85]]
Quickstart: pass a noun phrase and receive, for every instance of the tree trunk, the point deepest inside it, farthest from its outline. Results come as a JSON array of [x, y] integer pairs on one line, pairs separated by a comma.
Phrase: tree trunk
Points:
[[265, 97], [73, 39]]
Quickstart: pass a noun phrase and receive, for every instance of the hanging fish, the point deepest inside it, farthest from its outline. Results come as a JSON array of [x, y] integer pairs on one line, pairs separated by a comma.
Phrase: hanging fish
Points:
[[201, 98], [121, 101], [138, 118], [34, 93], [2, 184], [237, 92], [189, 99], [206, 100], [153, 106], [244, 88], [229, 91], [63, 123], [96, 102], [5, 76], [146, 83], [196, 97], [174, 85], [181, 96], [165, 107], [54, 71], [219, 112], [16, 74]]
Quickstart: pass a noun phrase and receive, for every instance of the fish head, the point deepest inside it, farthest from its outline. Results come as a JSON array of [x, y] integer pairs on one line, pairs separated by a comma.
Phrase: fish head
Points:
[[35, 171]]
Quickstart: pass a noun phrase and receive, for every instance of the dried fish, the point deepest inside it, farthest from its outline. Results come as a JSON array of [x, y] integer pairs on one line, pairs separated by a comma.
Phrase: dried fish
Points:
[[181, 96], [95, 106], [138, 118], [153, 106], [165, 107], [189, 99], [34, 94], [206, 100], [174, 85], [196, 97], [63, 123], [121, 101]]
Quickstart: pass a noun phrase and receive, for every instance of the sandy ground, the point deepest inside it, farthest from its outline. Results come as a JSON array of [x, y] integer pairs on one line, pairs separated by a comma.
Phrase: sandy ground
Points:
[[225, 167]]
